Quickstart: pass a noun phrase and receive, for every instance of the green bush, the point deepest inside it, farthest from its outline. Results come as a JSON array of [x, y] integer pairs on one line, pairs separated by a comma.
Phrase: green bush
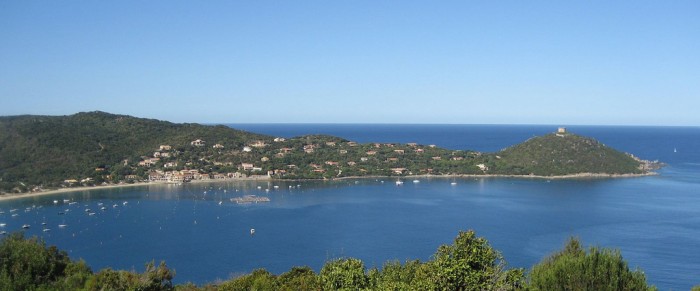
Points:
[[575, 269], [344, 274], [468, 264]]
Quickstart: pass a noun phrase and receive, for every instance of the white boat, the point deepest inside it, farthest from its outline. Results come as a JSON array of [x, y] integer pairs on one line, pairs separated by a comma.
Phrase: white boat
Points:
[[66, 200], [453, 183], [416, 181], [55, 202], [399, 183], [62, 225], [252, 231], [15, 214], [3, 232], [91, 213], [125, 203], [25, 226], [72, 203], [675, 150], [3, 224], [46, 230]]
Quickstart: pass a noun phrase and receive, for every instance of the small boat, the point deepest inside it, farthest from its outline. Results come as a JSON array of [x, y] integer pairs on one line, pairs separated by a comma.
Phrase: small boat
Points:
[[100, 204], [55, 202], [91, 213], [416, 181], [675, 150], [399, 183], [88, 210], [114, 206], [62, 225], [25, 226], [43, 223], [46, 230], [72, 203], [252, 231], [276, 187], [15, 214], [221, 202], [13, 210], [103, 208], [3, 232], [3, 224], [453, 183], [66, 200], [125, 203]]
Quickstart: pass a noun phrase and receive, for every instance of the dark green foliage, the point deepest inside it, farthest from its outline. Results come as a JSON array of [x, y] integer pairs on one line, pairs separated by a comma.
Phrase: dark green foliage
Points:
[[27, 264], [152, 279], [46, 150], [573, 268], [562, 154], [468, 264], [299, 279]]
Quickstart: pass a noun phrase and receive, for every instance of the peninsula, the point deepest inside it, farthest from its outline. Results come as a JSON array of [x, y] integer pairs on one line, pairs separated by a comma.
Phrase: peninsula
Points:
[[39, 153]]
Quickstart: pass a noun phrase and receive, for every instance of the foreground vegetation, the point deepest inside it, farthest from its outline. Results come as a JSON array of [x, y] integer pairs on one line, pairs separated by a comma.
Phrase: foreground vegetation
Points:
[[469, 263], [96, 148]]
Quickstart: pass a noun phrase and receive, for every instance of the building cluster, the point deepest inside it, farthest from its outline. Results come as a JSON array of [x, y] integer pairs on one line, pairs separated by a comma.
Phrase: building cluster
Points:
[[189, 175]]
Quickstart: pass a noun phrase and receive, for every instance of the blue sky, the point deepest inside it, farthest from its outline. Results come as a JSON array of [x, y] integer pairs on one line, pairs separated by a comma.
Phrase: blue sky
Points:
[[485, 62]]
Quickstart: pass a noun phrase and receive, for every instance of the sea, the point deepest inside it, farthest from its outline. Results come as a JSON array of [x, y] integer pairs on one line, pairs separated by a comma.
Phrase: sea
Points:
[[195, 228]]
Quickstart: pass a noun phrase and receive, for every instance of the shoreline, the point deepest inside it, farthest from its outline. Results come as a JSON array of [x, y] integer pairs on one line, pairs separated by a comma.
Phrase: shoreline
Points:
[[7, 197]]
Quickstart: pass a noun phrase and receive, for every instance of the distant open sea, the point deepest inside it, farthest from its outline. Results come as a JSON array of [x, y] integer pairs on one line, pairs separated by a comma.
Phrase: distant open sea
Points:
[[654, 221]]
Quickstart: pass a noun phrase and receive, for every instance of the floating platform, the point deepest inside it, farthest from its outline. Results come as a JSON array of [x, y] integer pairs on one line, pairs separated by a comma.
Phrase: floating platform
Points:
[[247, 199]]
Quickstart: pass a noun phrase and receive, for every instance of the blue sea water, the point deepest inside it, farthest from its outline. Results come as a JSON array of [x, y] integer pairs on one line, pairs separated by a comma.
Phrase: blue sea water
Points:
[[654, 221]]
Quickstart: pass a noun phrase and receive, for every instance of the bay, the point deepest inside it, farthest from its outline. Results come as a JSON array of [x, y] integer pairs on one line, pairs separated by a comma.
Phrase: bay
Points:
[[654, 221]]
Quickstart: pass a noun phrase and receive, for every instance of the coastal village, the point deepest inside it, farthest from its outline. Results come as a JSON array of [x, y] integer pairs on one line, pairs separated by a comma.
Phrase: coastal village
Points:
[[328, 157], [315, 157]]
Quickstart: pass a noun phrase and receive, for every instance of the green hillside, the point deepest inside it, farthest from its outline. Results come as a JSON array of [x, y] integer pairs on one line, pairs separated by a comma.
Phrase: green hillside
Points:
[[94, 148], [45, 150], [564, 154]]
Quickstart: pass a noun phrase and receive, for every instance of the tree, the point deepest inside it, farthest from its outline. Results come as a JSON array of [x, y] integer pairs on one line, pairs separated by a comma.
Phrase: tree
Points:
[[27, 264], [573, 268], [344, 274], [470, 263]]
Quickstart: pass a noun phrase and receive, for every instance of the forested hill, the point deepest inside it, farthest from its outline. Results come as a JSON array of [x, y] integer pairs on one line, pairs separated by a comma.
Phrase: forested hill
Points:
[[45, 150], [565, 154], [94, 148]]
